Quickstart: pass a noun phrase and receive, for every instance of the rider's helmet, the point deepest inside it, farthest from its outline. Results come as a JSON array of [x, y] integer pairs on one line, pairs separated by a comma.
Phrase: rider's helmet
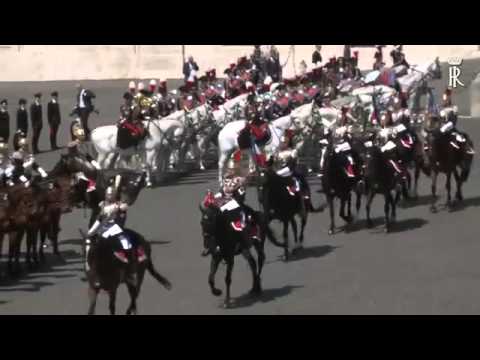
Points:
[[152, 86], [78, 131], [23, 144], [132, 86], [110, 194]]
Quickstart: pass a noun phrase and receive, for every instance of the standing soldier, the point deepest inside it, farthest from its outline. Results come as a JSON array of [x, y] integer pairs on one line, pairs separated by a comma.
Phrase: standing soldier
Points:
[[22, 117], [36, 118], [85, 107], [54, 119], [4, 121]]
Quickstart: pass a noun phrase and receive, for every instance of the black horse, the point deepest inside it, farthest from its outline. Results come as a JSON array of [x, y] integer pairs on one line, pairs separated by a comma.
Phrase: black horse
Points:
[[282, 200], [381, 177], [411, 153], [341, 178], [449, 155], [107, 273], [232, 236]]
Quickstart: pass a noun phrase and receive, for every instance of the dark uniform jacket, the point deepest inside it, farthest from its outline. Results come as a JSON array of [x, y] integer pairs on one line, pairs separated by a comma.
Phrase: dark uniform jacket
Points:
[[53, 113], [316, 57], [22, 120], [4, 125], [36, 116]]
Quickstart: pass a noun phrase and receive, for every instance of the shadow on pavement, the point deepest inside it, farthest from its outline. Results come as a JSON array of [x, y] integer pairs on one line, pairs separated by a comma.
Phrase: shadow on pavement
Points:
[[313, 252], [466, 203], [267, 295], [159, 242], [420, 201], [379, 225], [54, 268]]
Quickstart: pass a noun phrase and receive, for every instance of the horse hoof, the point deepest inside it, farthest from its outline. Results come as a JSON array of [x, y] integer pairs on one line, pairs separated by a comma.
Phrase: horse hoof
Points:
[[330, 232], [369, 224], [216, 292], [387, 229], [227, 305]]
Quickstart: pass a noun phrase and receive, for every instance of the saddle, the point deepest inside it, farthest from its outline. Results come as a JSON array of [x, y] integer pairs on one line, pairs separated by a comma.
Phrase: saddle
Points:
[[130, 134]]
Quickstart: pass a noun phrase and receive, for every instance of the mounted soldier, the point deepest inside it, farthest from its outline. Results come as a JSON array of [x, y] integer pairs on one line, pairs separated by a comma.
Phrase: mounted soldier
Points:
[[284, 164], [109, 225], [131, 129], [231, 197]]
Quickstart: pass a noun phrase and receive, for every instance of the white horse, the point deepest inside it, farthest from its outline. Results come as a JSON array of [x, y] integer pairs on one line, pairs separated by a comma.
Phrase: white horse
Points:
[[419, 74], [228, 139], [160, 133]]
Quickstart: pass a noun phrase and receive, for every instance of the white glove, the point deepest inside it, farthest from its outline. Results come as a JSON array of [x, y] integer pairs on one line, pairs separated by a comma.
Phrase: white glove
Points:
[[96, 165], [93, 229], [42, 172]]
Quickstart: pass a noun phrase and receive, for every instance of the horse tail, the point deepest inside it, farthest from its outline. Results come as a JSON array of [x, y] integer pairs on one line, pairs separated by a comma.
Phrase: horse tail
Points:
[[162, 280], [466, 164]]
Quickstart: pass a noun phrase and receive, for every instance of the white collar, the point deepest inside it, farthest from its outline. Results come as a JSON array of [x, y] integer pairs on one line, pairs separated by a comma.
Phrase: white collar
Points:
[[54, 101]]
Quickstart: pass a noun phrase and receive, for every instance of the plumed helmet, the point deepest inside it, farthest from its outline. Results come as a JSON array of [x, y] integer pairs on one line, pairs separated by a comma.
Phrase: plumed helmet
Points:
[[132, 85], [23, 143], [141, 86], [153, 82]]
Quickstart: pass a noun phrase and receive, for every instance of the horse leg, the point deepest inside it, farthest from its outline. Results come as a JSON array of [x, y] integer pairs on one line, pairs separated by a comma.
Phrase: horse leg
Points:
[[112, 298], [43, 236], [448, 186], [458, 180], [28, 254], [228, 281], [417, 176], [221, 164], [92, 295], [293, 221], [285, 239], [55, 230], [331, 207], [34, 245], [304, 219], [211, 277], [349, 208], [256, 285], [394, 206], [388, 203], [149, 160], [133, 292], [358, 203], [368, 207], [433, 207], [260, 249]]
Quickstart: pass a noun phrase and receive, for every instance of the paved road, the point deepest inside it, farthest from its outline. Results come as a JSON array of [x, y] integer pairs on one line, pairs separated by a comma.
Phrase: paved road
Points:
[[428, 265]]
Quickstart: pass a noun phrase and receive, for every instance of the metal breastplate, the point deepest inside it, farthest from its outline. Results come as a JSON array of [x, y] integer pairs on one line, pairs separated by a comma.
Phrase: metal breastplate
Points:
[[110, 213]]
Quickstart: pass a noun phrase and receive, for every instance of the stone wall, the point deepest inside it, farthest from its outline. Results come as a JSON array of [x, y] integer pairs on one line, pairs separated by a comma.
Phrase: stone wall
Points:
[[99, 62]]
